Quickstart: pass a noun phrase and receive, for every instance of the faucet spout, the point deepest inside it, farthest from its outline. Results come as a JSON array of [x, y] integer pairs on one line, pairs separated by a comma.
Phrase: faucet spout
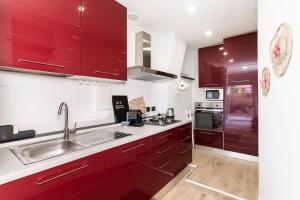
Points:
[[66, 129]]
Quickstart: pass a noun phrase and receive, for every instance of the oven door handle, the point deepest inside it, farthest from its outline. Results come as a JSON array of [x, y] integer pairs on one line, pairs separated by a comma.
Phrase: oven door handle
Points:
[[209, 111]]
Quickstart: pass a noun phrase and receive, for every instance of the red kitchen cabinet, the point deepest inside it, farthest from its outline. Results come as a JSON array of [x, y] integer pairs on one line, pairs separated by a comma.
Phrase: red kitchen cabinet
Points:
[[133, 171], [241, 96], [71, 181], [211, 67], [40, 35], [209, 138], [129, 175], [104, 39]]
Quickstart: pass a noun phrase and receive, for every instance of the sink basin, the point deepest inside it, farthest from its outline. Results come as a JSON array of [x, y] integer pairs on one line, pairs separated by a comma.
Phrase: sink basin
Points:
[[41, 151]]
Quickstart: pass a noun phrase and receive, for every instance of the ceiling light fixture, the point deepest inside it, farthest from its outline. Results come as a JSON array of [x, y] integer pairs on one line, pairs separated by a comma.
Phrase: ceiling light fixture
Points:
[[221, 48], [191, 9], [245, 67], [208, 33], [225, 53], [231, 60], [133, 16]]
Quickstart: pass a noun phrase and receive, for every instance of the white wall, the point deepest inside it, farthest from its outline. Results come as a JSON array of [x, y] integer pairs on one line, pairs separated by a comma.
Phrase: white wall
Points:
[[31, 101], [279, 149]]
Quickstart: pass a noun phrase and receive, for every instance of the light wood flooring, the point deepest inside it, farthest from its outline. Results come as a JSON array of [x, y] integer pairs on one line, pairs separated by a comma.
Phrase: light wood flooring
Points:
[[234, 176]]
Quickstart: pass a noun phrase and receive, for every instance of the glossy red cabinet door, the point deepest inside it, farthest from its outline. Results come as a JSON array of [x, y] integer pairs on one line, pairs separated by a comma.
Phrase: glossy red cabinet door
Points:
[[40, 35], [77, 180], [104, 39], [209, 138], [241, 96], [211, 67], [129, 175]]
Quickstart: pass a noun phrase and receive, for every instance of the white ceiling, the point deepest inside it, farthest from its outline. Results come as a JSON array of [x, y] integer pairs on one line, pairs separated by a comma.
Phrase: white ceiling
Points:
[[224, 18]]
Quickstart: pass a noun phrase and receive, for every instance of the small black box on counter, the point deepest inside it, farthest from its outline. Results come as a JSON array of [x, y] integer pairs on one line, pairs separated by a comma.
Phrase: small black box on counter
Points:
[[7, 134]]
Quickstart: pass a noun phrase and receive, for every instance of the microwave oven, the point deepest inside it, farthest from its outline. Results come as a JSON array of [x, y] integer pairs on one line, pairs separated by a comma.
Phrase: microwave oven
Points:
[[213, 94]]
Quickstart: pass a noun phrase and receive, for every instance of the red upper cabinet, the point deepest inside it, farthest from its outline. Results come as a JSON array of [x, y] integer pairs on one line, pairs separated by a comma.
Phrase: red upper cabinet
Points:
[[40, 35], [241, 60], [211, 67], [104, 39]]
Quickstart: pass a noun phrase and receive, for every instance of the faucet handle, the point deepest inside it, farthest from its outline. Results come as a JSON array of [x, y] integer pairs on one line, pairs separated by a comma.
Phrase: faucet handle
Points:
[[74, 129]]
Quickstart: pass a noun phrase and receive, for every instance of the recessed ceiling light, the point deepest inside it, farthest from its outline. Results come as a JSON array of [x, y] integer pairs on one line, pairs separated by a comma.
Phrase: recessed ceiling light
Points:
[[231, 60], [221, 48], [191, 9], [225, 53], [132, 16], [208, 33]]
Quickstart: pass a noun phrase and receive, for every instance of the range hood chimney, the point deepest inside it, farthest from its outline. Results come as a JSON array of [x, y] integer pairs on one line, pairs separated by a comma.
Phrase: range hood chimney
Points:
[[142, 69]]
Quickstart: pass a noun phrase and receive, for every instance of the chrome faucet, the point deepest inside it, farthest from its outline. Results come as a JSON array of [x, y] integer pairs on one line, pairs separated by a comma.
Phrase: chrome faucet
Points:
[[67, 131]]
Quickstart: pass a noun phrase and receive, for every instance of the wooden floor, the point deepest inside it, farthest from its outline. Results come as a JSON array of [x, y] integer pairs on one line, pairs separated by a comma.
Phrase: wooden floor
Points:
[[234, 176]]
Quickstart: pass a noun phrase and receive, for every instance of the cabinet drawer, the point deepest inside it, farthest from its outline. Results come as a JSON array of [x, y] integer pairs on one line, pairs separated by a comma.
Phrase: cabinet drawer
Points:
[[241, 149], [75, 178], [209, 138], [184, 133], [249, 138]]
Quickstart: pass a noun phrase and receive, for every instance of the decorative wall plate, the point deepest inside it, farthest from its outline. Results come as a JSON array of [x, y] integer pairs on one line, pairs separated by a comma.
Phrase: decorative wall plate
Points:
[[265, 81], [281, 49]]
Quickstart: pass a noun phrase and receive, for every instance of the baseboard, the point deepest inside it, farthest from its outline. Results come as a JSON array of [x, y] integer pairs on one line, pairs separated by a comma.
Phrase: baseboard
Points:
[[228, 153]]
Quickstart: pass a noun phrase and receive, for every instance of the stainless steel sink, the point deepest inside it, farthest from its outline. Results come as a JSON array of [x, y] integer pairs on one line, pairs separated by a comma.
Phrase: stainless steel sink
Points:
[[41, 151]]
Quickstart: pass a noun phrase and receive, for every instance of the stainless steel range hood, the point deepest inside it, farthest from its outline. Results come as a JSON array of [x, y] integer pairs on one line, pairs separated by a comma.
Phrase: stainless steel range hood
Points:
[[142, 69]]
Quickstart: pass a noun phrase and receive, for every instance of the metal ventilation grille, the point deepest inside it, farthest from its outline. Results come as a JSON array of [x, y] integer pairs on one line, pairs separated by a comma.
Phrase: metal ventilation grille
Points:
[[149, 77]]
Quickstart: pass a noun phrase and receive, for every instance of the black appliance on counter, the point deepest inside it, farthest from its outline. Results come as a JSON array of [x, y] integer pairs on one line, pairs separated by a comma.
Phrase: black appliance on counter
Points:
[[121, 107], [135, 118], [209, 115]]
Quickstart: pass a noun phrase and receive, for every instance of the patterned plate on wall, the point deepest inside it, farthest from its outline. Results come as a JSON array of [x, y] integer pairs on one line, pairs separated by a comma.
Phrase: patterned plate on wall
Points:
[[265, 81], [281, 49]]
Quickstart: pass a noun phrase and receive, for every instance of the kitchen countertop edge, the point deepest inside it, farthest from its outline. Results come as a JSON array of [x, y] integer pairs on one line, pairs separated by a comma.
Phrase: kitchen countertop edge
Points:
[[12, 168]]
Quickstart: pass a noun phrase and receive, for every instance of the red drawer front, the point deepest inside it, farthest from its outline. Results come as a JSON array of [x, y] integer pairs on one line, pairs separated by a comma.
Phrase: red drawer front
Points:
[[75, 178], [241, 148], [209, 138], [184, 133]]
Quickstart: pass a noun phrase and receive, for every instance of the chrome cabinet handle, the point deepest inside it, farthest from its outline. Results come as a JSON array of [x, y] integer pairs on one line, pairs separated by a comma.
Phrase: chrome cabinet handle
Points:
[[165, 150], [241, 81], [132, 148], [207, 133], [108, 73], [166, 163], [185, 139], [39, 183], [41, 63], [187, 149], [164, 136]]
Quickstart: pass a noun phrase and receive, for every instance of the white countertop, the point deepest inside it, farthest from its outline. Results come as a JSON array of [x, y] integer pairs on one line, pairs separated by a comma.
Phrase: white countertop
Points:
[[11, 168]]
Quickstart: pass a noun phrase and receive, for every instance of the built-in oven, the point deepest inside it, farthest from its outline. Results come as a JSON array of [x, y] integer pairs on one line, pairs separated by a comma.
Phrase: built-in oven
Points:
[[209, 116]]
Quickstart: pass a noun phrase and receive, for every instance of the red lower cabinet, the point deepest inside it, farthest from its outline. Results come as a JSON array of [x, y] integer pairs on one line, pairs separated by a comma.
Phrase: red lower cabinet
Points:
[[134, 171], [209, 138], [68, 181]]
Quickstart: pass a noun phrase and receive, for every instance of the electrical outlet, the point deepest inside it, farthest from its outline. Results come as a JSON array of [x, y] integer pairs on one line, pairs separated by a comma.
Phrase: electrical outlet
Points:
[[153, 108]]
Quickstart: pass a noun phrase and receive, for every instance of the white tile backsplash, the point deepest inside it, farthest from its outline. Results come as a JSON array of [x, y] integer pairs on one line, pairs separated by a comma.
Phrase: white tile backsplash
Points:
[[31, 101]]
